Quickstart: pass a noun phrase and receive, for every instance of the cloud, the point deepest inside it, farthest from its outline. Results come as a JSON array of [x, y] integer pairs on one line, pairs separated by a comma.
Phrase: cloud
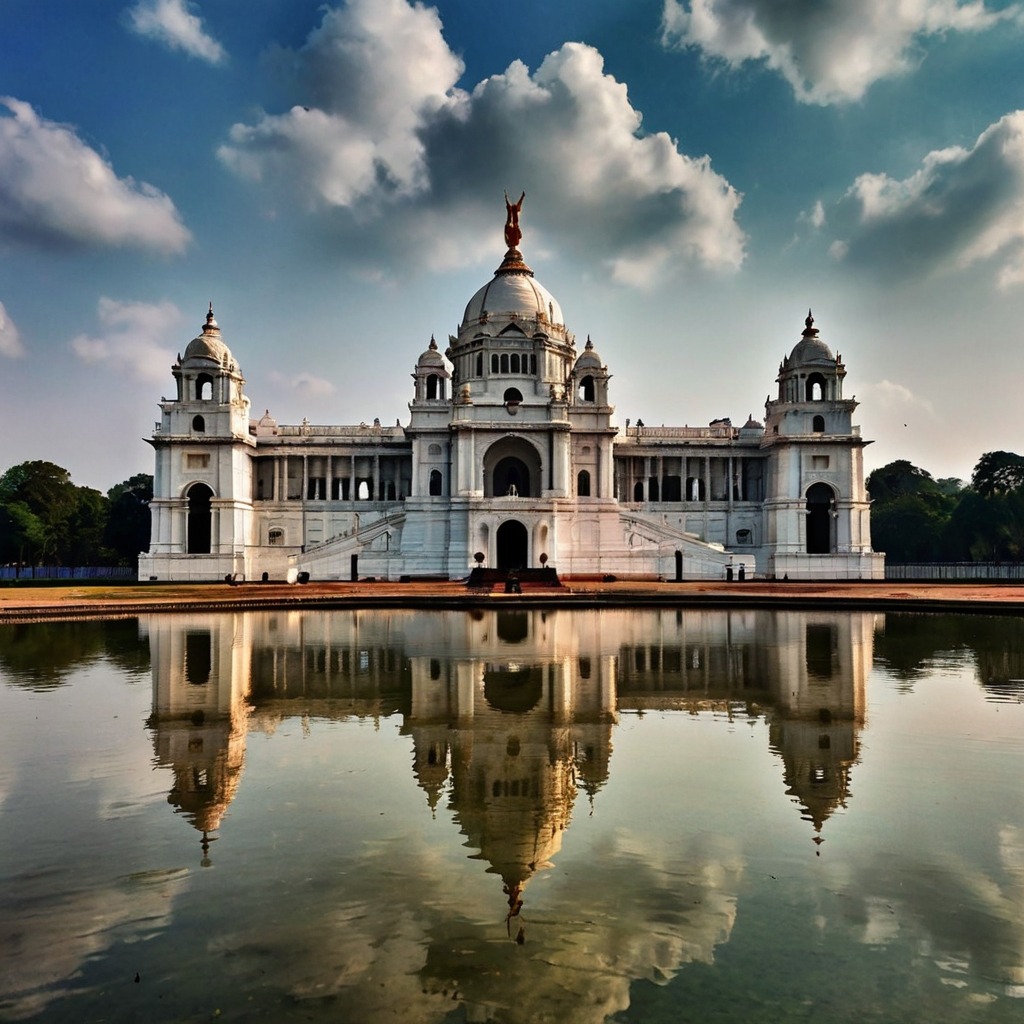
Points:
[[131, 338], [384, 136], [305, 384], [56, 190], [830, 51], [10, 339], [960, 207], [172, 23]]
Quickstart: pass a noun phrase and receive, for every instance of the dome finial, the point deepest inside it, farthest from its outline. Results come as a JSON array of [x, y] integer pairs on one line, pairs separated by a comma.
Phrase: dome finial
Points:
[[809, 329], [433, 344], [513, 236]]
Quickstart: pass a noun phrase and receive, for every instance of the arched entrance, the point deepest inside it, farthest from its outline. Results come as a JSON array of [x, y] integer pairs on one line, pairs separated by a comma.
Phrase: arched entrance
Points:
[[512, 462], [820, 501], [512, 478], [199, 516], [513, 545]]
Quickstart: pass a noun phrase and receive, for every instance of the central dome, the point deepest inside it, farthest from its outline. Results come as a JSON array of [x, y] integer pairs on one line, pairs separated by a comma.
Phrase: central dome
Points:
[[513, 292]]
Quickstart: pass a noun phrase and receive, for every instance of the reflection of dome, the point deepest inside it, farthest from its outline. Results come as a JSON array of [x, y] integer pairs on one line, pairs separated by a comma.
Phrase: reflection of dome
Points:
[[209, 345], [810, 349], [513, 290]]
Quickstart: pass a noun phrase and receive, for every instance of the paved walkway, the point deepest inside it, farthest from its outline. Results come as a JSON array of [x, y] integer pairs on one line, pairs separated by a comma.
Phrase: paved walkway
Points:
[[25, 603]]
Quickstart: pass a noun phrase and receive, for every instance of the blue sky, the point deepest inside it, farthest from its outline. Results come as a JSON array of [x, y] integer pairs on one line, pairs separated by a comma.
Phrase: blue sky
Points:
[[698, 173]]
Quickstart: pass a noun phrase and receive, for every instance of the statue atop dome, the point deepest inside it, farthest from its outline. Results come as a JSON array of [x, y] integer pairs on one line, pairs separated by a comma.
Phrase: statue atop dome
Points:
[[512, 233]]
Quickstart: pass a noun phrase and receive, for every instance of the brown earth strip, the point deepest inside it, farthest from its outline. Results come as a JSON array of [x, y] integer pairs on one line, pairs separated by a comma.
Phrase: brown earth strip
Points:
[[27, 603]]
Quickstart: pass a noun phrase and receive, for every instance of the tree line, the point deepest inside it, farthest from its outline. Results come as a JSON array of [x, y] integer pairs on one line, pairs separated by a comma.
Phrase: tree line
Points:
[[47, 520], [915, 518]]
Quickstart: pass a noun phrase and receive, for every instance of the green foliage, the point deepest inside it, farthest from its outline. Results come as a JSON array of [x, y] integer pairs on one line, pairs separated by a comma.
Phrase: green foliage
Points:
[[45, 519], [998, 473]]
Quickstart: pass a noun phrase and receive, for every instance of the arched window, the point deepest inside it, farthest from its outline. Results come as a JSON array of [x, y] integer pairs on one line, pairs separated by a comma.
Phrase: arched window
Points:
[[494, 362], [513, 396], [815, 388], [434, 449], [199, 424], [818, 425], [504, 362], [583, 484], [533, 364], [204, 387], [435, 482], [514, 362], [638, 491], [199, 517], [587, 389], [363, 491], [432, 387], [480, 364], [275, 538]]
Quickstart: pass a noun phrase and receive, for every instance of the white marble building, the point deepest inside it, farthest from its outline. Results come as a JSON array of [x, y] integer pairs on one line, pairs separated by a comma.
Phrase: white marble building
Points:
[[511, 458]]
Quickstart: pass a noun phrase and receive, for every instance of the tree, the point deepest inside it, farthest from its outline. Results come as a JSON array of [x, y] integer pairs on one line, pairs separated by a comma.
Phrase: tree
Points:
[[128, 520], [909, 512], [42, 498], [998, 473]]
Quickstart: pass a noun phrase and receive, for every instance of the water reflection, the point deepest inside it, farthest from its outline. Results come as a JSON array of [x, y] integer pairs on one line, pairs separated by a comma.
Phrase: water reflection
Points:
[[520, 816]]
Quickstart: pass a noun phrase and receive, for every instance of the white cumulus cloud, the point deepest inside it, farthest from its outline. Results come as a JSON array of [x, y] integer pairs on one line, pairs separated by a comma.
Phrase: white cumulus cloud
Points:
[[10, 339], [384, 132], [173, 23], [830, 51], [960, 207], [56, 190], [131, 338]]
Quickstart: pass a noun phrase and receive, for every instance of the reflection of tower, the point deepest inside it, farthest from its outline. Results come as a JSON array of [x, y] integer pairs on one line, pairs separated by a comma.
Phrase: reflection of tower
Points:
[[821, 664], [513, 730], [200, 683]]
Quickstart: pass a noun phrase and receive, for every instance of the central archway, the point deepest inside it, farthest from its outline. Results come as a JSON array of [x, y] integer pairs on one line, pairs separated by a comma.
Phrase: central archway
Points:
[[512, 464], [513, 545]]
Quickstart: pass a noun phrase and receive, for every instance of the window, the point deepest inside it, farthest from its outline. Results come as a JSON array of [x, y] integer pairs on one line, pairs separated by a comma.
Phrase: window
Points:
[[432, 387], [815, 388], [818, 425], [204, 387], [514, 362], [494, 363], [504, 362], [434, 449], [199, 424], [316, 488], [513, 396], [587, 389], [275, 538], [435, 482], [480, 364], [742, 536], [583, 484]]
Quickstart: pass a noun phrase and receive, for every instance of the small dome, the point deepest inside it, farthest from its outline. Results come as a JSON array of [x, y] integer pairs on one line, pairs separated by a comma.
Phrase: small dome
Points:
[[432, 357], [209, 345], [810, 348], [589, 359]]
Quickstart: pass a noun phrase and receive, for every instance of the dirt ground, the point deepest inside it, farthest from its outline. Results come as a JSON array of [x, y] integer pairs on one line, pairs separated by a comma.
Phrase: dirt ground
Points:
[[27, 602]]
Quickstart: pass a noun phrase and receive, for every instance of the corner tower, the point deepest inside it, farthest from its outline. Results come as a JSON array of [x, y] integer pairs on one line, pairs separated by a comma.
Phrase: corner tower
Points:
[[202, 488], [816, 509]]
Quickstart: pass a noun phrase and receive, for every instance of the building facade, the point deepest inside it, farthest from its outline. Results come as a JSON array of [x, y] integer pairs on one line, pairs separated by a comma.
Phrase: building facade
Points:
[[510, 458]]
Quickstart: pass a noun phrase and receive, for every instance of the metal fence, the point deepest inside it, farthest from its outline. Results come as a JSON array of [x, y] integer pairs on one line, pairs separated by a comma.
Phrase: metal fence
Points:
[[68, 572], [956, 571]]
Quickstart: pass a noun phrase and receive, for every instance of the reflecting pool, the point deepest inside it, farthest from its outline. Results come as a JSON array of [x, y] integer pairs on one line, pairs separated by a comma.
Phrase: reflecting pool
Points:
[[513, 816]]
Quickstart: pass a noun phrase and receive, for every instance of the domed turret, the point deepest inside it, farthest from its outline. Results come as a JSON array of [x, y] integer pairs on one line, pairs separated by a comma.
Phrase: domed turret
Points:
[[209, 345], [431, 375]]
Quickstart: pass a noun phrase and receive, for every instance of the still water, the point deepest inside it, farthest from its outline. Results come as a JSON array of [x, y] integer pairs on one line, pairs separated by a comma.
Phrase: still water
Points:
[[513, 816]]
